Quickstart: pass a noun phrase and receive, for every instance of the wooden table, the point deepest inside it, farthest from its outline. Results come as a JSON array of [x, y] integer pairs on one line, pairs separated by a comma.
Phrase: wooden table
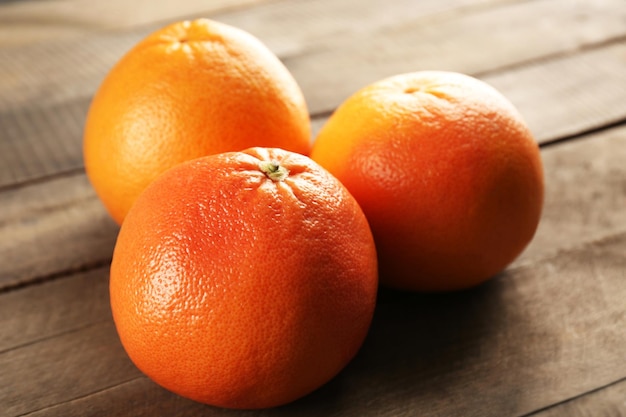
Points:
[[547, 337]]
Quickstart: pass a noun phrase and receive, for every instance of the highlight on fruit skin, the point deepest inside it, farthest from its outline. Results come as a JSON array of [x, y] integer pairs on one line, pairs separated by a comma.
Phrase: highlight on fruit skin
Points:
[[445, 169], [191, 89], [239, 290]]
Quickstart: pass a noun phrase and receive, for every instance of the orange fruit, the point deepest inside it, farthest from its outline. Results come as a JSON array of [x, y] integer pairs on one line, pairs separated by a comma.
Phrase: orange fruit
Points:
[[446, 171], [191, 89], [244, 279]]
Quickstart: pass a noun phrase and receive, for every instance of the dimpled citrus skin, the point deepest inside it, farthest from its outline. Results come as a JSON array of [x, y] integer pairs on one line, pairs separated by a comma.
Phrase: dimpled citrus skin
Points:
[[239, 291], [191, 89], [446, 171]]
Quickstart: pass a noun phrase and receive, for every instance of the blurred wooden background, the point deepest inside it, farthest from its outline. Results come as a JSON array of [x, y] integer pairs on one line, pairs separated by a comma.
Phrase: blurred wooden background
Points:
[[545, 338]]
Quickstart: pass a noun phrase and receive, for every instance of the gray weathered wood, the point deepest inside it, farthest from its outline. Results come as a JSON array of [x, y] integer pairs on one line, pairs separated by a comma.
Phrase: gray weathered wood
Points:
[[74, 67], [566, 96], [65, 367], [404, 35], [594, 94], [140, 398], [54, 227], [25, 22], [38, 142], [293, 28], [532, 337], [39, 312], [585, 192], [545, 338], [60, 225], [473, 43], [558, 97], [591, 101], [608, 401]]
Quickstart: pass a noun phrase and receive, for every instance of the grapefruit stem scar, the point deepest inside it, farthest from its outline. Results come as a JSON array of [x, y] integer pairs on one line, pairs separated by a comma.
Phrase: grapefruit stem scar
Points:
[[274, 170]]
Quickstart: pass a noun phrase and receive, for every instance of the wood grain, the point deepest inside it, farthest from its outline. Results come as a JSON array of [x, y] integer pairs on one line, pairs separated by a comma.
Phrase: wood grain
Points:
[[577, 92], [608, 401], [58, 226], [290, 29], [45, 106], [35, 143], [140, 398], [74, 67], [573, 94], [479, 42], [585, 192], [39, 312], [406, 36], [69, 366], [26, 22], [497, 350], [544, 338], [38, 142], [49, 228]]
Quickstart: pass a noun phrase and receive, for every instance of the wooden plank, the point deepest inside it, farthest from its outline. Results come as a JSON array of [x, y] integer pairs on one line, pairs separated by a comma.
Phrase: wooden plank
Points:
[[322, 41], [66, 367], [608, 401], [536, 335], [567, 96], [285, 27], [293, 28], [40, 312], [59, 225], [598, 164], [594, 92], [533, 327], [72, 70], [38, 142], [25, 22], [55, 227], [145, 399], [585, 192], [558, 97], [473, 43], [547, 330], [303, 21]]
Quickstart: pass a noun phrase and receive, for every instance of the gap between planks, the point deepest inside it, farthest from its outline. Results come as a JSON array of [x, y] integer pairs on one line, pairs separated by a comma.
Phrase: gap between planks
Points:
[[606, 400], [553, 56], [52, 336], [39, 180], [81, 398], [583, 134], [54, 20]]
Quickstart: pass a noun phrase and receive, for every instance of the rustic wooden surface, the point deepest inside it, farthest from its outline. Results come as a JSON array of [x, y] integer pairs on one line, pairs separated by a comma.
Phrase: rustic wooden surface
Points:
[[545, 338]]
